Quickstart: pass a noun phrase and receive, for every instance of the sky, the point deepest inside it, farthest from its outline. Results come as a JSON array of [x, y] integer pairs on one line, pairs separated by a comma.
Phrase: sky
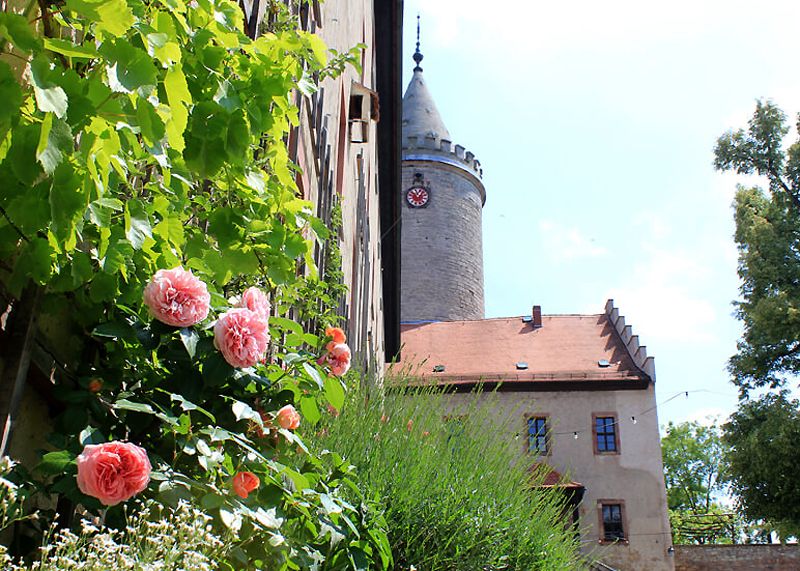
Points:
[[595, 126]]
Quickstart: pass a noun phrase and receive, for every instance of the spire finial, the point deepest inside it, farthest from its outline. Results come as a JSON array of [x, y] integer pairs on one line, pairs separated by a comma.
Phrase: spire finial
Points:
[[417, 54]]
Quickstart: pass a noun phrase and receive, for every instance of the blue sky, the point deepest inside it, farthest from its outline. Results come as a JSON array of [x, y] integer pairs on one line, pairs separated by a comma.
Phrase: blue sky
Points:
[[595, 125]]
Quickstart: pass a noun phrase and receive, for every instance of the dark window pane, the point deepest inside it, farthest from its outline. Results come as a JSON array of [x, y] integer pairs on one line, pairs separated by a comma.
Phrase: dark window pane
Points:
[[612, 522], [606, 433], [537, 435]]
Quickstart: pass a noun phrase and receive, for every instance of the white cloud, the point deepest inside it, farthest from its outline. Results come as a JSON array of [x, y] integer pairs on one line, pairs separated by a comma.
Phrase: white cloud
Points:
[[660, 301], [568, 243]]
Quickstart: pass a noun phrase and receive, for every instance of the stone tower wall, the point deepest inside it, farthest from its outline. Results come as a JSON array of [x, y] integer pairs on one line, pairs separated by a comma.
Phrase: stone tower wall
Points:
[[442, 244]]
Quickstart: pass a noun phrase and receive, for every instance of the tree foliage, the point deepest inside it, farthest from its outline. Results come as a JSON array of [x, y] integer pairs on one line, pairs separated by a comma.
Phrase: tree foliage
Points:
[[693, 465], [768, 238], [763, 458], [694, 474]]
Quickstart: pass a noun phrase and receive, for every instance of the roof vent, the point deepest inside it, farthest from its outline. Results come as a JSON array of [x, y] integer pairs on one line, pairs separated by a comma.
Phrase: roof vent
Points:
[[522, 365], [603, 363], [438, 368]]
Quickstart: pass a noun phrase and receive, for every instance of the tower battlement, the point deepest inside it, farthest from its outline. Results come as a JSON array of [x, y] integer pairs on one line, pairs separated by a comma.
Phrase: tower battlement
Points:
[[441, 147]]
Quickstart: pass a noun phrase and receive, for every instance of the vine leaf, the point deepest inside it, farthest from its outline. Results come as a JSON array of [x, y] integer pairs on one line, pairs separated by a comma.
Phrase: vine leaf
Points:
[[137, 224], [16, 30], [49, 96], [110, 16], [130, 67], [54, 139], [10, 95]]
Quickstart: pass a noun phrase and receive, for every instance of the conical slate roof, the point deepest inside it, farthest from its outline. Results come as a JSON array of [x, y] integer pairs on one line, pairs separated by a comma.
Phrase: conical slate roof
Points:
[[420, 116]]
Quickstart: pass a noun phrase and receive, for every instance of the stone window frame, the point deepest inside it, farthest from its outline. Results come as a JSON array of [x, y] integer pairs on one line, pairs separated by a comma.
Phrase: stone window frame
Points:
[[548, 434], [601, 524], [615, 424]]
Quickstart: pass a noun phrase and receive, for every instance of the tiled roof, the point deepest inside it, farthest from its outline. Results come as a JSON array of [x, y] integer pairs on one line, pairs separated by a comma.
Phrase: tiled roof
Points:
[[564, 348], [553, 478]]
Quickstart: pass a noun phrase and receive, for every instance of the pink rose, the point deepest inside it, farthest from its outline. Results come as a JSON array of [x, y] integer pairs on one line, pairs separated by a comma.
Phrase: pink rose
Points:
[[256, 301], [113, 472], [242, 337], [339, 359], [288, 417], [244, 483], [177, 298]]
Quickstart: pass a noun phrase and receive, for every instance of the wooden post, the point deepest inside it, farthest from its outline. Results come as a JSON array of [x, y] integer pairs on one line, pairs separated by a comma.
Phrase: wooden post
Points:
[[16, 351]]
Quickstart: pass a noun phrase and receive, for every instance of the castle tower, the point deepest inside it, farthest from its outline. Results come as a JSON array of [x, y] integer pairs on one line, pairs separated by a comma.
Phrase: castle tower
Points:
[[442, 202]]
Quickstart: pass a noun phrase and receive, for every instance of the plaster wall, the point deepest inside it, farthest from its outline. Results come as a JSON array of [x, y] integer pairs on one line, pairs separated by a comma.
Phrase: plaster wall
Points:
[[442, 245], [634, 477]]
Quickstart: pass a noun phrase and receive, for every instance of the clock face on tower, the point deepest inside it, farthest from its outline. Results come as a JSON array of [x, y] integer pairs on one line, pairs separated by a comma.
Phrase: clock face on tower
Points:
[[417, 196]]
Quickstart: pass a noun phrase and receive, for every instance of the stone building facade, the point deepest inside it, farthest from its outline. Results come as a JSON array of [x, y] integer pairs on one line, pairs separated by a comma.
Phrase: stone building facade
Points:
[[442, 202]]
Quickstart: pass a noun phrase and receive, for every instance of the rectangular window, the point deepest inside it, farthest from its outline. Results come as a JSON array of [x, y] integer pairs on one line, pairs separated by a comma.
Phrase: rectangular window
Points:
[[613, 527], [538, 441], [605, 434]]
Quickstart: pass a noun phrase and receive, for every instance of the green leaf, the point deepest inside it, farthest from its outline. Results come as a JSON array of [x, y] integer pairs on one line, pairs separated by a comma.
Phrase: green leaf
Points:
[[54, 141], [189, 338], [131, 69], [35, 261], [68, 202], [125, 404], [10, 95], [188, 406], [18, 31], [150, 123], [49, 96], [214, 135], [313, 373], [171, 230], [179, 100], [318, 48], [91, 435], [137, 224], [114, 330], [334, 392], [67, 48], [103, 288], [102, 209], [287, 324], [22, 154], [55, 462], [110, 16], [216, 369], [244, 411], [212, 501], [310, 410]]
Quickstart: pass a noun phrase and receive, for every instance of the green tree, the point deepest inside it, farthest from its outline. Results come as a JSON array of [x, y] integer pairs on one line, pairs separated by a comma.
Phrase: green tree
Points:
[[693, 465], [763, 458], [768, 238], [694, 474]]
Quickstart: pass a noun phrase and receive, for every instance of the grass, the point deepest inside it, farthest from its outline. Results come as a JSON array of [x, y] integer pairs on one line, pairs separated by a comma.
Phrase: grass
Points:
[[456, 495]]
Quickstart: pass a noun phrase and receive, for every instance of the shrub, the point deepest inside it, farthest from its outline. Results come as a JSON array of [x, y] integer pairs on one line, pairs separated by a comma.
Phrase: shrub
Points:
[[455, 496]]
